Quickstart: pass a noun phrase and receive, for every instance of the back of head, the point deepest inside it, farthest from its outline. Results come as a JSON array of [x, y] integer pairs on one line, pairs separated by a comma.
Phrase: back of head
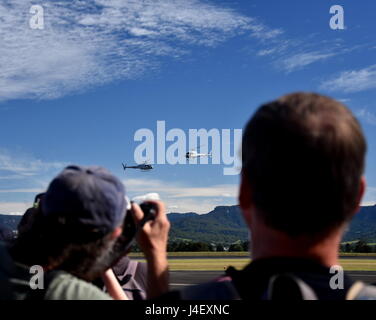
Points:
[[72, 225], [303, 156], [88, 202]]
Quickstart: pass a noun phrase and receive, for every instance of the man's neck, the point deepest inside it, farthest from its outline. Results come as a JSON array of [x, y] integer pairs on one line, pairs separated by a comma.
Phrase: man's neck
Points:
[[268, 243]]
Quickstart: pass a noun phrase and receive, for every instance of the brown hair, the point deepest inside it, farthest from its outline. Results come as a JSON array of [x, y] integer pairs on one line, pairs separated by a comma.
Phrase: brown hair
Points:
[[303, 155], [49, 244]]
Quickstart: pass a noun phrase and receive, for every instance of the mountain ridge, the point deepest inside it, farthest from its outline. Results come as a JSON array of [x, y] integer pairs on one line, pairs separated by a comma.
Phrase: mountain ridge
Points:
[[225, 224], [362, 226]]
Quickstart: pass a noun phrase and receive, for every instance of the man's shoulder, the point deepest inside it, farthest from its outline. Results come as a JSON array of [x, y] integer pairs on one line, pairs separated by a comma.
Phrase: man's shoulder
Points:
[[65, 286], [60, 285], [257, 284]]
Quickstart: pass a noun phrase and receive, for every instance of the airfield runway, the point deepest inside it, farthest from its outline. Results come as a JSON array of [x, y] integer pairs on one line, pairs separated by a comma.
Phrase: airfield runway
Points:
[[360, 267], [188, 257], [181, 279]]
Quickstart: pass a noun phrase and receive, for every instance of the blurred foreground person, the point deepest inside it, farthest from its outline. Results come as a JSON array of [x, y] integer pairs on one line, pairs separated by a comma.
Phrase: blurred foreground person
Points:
[[132, 276], [76, 234], [303, 159]]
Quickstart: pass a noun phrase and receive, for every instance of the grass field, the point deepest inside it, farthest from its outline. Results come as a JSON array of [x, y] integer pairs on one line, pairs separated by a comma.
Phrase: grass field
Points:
[[199, 254], [237, 254], [220, 264], [358, 264]]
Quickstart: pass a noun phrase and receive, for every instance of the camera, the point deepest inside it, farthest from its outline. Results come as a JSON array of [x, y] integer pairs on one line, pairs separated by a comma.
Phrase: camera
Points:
[[130, 228]]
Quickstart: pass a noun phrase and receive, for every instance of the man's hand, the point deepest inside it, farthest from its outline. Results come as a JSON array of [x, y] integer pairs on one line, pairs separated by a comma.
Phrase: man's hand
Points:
[[152, 240], [154, 236]]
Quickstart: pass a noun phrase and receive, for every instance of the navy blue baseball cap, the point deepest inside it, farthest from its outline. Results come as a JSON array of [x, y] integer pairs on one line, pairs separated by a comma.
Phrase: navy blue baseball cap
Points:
[[87, 200]]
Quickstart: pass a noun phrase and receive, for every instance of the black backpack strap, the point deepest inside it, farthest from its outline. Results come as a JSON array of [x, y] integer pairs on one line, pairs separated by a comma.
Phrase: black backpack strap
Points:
[[361, 291], [288, 287], [283, 286]]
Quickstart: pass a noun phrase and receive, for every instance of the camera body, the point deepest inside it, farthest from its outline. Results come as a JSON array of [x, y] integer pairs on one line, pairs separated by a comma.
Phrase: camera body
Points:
[[130, 229]]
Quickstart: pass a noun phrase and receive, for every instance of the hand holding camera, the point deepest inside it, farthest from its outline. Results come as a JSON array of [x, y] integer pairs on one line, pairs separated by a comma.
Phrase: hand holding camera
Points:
[[152, 239], [145, 222], [148, 224], [153, 236]]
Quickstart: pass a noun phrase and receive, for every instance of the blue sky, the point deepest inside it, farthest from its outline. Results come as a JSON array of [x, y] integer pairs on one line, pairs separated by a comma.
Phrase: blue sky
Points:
[[78, 90]]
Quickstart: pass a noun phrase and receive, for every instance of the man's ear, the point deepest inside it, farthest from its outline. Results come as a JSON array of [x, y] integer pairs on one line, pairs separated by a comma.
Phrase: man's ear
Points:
[[116, 233], [245, 198], [362, 190]]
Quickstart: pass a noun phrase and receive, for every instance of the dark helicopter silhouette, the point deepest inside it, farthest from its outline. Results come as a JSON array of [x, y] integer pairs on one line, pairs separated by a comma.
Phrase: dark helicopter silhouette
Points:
[[143, 167]]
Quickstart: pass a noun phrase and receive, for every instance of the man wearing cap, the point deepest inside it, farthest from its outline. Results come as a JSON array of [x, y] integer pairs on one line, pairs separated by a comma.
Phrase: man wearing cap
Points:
[[75, 226]]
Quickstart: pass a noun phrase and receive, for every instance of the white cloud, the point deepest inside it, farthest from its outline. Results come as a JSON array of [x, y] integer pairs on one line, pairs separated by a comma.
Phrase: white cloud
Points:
[[90, 43], [21, 166], [23, 176], [352, 80], [267, 52], [200, 206], [278, 47], [31, 190], [178, 190], [183, 198], [294, 54], [367, 116], [263, 32], [300, 60], [177, 196], [370, 197], [344, 100], [12, 177], [14, 208]]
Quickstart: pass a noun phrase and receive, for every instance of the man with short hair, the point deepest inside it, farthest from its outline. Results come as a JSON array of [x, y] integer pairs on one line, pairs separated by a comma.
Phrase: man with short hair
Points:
[[73, 234], [302, 181]]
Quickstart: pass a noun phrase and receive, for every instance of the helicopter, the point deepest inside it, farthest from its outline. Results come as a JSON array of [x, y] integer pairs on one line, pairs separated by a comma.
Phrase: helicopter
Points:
[[143, 167], [192, 154]]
